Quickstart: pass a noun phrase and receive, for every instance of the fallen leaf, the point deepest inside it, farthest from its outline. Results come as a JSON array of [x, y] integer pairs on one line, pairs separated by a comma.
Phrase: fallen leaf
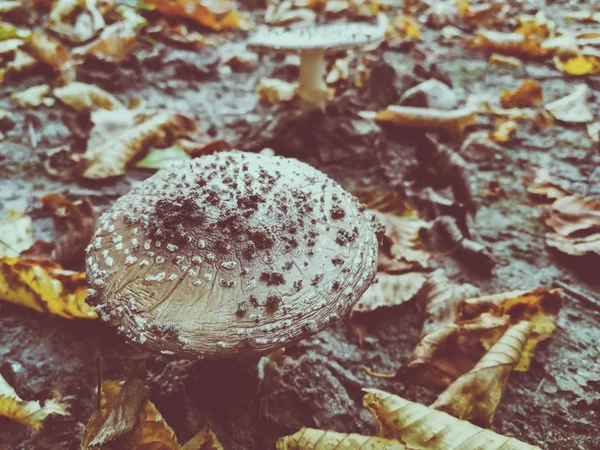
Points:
[[495, 191], [45, 287], [573, 108], [390, 290], [475, 395], [512, 44], [504, 129], [576, 224], [407, 116], [421, 428], [544, 186], [120, 136], [74, 226], [387, 202], [113, 45], [52, 53], [340, 69], [16, 234], [127, 420], [528, 94], [593, 130], [76, 21], [214, 14], [80, 96], [273, 90], [403, 27], [311, 439], [31, 414], [9, 31], [487, 13], [578, 65], [582, 16], [162, 158], [205, 439], [503, 60], [32, 97]]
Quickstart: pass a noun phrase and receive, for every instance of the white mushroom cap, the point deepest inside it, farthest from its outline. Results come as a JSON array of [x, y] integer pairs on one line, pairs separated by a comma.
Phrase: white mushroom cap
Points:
[[230, 254], [324, 38]]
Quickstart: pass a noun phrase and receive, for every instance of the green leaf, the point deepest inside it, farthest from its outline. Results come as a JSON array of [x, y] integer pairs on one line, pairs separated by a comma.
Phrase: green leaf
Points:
[[162, 158], [9, 31]]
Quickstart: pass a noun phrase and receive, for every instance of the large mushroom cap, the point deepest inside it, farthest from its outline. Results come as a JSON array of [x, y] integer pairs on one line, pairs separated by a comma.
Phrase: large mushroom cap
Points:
[[234, 253], [324, 38]]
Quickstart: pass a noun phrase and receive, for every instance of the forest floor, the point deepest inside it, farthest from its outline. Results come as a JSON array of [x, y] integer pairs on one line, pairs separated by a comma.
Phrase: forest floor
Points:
[[318, 382]]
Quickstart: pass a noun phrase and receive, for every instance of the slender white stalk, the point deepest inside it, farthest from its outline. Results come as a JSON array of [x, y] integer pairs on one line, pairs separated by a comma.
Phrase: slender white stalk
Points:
[[312, 87]]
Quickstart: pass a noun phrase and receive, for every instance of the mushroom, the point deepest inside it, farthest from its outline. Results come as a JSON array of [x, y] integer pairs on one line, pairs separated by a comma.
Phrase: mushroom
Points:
[[312, 44], [230, 254]]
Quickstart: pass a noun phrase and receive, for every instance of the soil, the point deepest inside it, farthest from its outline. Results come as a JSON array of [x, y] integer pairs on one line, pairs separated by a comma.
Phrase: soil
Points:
[[318, 382]]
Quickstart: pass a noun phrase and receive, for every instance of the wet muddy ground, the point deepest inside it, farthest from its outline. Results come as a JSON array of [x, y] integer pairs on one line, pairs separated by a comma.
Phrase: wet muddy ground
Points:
[[556, 404]]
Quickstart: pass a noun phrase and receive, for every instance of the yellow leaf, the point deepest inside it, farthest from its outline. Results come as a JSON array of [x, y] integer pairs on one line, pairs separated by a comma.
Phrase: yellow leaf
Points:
[[512, 44], [423, 428], [27, 413], [16, 234], [404, 26], [475, 395], [578, 65], [204, 440], [311, 439], [45, 287], [504, 130], [214, 14], [528, 94]]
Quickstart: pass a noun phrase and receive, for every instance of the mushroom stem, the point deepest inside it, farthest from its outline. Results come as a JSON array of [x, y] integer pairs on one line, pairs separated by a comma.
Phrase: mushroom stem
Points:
[[312, 89]]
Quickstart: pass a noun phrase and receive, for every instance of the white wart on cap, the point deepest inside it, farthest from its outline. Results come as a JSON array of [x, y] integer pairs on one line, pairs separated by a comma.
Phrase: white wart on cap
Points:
[[313, 43], [230, 254]]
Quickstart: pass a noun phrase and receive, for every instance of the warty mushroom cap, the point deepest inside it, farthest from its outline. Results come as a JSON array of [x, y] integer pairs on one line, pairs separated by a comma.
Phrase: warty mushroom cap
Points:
[[230, 254], [328, 38]]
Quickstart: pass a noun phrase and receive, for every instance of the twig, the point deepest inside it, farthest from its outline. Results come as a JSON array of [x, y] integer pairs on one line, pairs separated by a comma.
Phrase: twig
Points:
[[578, 294]]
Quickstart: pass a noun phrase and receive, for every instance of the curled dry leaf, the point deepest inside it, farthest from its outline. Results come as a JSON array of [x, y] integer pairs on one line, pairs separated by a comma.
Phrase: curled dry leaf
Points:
[[43, 286], [390, 290], [120, 136], [576, 224], [512, 44], [16, 234], [544, 186], [213, 14], [80, 96], [31, 414], [573, 108], [273, 90], [127, 419], [311, 439], [453, 122], [528, 94], [423, 428], [475, 395], [32, 97]]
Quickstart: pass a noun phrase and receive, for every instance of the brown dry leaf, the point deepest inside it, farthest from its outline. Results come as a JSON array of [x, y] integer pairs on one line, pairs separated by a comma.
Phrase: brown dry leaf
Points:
[[503, 131], [19, 61], [311, 439], [127, 420], [122, 135], [403, 27], [495, 191], [503, 60], [76, 21], [578, 65], [407, 116], [583, 16], [479, 14], [576, 224], [74, 225], [387, 202], [512, 44], [52, 53], [475, 395], [204, 440], [402, 249], [390, 290], [572, 108], [16, 234], [273, 90], [44, 286], [423, 428], [540, 307], [544, 186], [528, 94], [80, 96], [214, 14], [31, 414], [114, 45]]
